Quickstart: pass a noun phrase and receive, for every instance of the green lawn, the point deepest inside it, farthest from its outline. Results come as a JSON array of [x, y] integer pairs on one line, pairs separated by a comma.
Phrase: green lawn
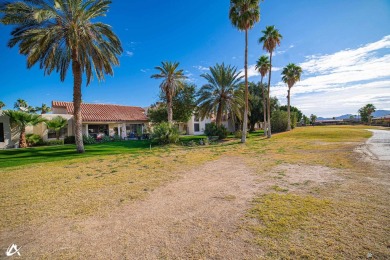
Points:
[[18, 157]]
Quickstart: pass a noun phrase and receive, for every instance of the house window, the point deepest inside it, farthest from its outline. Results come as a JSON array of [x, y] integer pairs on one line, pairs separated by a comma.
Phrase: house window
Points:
[[1, 132], [196, 127], [51, 134]]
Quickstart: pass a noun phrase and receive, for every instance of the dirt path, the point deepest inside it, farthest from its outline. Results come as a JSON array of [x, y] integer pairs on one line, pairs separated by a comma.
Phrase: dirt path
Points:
[[199, 215], [379, 145]]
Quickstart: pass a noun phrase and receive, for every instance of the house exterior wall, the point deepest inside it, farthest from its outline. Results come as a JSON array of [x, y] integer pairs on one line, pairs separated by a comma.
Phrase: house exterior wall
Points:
[[202, 125], [9, 140]]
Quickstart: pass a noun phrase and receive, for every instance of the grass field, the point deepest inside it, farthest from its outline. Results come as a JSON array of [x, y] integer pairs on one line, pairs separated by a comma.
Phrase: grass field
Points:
[[296, 215]]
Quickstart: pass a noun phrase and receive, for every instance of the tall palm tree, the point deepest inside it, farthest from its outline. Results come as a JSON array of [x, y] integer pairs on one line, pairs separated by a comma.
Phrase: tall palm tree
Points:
[[243, 15], [22, 119], [44, 109], [270, 39], [222, 95], [172, 82], [263, 65], [21, 104], [291, 74], [56, 124], [57, 34], [2, 104]]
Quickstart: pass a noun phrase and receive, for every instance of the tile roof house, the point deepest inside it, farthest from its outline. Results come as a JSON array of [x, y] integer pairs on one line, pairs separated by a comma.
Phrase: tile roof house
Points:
[[98, 120]]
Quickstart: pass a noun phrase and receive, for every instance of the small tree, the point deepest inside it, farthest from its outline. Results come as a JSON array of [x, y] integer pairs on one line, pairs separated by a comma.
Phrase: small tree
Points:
[[21, 120], [313, 119], [365, 113], [56, 124]]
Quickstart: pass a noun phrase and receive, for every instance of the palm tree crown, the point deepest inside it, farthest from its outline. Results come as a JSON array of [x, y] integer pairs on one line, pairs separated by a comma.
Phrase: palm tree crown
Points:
[[222, 94], [263, 65], [172, 81], [291, 74], [2, 104], [57, 123], [271, 37], [244, 13], [54, 34]]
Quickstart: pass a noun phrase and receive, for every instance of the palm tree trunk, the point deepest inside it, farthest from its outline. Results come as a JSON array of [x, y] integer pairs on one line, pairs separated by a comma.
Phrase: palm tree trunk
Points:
[[169, 108], [219, 115], [269, 100], [78, 122], [58, 134], [22, 137], [245, 123], [288, 110], [264, 108]]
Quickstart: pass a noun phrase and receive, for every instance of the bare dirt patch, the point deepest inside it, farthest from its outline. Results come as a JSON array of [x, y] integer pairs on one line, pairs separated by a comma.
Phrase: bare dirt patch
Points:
[[197, 216]]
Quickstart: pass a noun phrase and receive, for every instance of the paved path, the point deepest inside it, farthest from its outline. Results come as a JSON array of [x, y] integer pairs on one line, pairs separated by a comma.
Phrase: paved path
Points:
[[379, 144]]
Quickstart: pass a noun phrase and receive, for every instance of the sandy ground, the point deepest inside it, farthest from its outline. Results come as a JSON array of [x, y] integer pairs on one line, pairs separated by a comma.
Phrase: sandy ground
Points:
[[379, 145], [199, 215]]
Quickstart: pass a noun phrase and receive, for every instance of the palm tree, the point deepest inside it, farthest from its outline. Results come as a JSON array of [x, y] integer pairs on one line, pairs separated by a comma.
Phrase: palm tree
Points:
[[22, 119], [56, 124], [172, 82], [44, 109], [271, 37], [21, 104], [243, 15], [290, 75], [263, 65], [222, 95], [57, 34], [2, 104]]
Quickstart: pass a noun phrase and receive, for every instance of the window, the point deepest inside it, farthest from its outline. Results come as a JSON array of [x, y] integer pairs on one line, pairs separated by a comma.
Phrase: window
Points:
[[51, 134], [196, 127], [1, 132], [196, 118]]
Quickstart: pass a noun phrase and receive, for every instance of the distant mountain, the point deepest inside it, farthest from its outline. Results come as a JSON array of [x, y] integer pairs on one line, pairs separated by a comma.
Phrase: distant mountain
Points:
[[377, 113]]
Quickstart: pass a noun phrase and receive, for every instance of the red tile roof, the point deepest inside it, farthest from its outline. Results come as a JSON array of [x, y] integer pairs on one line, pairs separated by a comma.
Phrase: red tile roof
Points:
[[103, 112]]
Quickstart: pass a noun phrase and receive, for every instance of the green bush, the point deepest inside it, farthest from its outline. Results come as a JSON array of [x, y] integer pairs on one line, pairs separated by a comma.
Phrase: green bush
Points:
[[279, 121], [33, 140], [70, 140], [212, 129], [116, 138], [88, 139], [238, 134], [294, 119], [165, 133], [105, 139], [54, 142]]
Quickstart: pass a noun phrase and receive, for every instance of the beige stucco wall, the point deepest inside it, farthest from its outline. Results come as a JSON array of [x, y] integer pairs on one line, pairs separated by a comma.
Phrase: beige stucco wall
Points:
[[202, 125]]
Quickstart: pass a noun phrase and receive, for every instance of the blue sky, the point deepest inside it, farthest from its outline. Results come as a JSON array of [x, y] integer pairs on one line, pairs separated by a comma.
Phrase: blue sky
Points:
[[342, 45]]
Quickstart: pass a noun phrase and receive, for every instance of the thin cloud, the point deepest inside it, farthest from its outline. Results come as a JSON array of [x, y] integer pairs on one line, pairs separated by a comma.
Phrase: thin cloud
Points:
[[344, 81], [201, 68], [129, 53]]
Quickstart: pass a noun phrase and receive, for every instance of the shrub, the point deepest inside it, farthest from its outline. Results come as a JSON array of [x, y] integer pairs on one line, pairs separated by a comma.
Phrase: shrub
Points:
[[105, 139], [238, 134], [33, 140], [279, 121], [70, 140], [88, 139], [54, 142], [165, 133], [116, 138], [213, 130], [294, 119]]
